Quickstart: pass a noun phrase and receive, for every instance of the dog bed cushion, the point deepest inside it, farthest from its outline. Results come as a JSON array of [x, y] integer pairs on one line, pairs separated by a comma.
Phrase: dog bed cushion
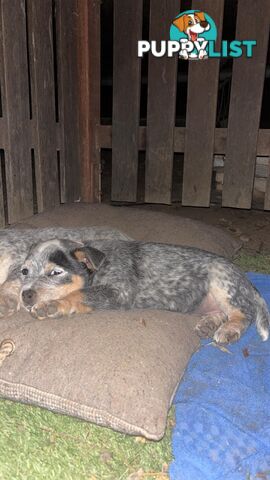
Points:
[[116, 369], [140, 224]]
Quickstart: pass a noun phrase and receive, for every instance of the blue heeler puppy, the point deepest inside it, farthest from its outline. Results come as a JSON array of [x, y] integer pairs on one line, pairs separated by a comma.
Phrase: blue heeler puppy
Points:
[[61, 277]]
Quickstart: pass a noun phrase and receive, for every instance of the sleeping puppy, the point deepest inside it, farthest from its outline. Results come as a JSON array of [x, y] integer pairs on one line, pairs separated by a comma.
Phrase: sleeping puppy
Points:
[[61, 277]]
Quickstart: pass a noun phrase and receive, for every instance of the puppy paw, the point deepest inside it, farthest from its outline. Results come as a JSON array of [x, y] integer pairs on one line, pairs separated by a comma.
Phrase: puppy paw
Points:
[[210, 323], [227, 333], [47, 310], [59, 308], [9, 305]]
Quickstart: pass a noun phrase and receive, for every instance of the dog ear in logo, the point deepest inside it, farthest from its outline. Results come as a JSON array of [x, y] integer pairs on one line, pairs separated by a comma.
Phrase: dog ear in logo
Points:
[[181, 23], [203, 21]]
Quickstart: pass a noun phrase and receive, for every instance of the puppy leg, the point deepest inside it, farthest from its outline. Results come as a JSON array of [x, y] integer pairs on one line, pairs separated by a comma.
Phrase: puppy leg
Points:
[[69, 305], [99, 297], [10, 297], [210, 323], [239, 316], [234, 297], [232, 330], [6, 262], [10, 285]]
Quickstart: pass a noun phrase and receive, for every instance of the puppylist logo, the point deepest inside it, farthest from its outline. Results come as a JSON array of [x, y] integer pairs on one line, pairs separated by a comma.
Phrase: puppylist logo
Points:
[[193, 36], [193, 30]]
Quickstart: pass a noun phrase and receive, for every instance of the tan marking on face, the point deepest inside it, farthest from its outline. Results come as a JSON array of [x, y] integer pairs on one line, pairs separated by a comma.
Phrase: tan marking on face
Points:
[[5, 263], [60, 291]]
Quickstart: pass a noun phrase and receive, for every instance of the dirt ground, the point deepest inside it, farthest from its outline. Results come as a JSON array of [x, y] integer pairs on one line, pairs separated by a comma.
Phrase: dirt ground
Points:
[[252, 227]]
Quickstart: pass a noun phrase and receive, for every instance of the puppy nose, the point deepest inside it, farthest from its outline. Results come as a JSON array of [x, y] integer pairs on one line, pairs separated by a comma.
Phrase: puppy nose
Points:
[[29, 297], [204, 23]]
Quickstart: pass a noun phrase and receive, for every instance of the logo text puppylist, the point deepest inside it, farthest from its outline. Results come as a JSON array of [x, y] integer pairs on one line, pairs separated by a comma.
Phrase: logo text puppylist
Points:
[[193, 35]]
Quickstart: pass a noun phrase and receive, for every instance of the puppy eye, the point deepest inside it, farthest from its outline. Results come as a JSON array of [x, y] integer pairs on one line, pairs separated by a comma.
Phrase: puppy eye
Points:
[[55, 271], [25, 271], [190, 22]]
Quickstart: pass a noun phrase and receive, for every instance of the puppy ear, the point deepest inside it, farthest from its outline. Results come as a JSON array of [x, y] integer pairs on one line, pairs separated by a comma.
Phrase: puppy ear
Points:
[[200, 15], [180, 23], [90, 256]]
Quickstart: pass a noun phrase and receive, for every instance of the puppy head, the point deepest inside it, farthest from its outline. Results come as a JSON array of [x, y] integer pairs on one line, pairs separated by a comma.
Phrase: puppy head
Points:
[[192, 22], [55, 268]]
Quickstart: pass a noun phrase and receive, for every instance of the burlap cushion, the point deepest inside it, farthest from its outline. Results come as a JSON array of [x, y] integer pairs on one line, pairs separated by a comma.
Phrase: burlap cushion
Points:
[[140, 224], [117, 369]]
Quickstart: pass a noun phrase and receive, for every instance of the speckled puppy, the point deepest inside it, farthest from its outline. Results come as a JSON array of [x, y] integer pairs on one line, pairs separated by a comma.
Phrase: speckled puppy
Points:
[[15, 245], [62, 278]]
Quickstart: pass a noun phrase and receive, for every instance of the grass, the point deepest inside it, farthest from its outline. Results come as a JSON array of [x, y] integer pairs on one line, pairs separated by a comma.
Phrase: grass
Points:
[[37, 444], [253, 263]]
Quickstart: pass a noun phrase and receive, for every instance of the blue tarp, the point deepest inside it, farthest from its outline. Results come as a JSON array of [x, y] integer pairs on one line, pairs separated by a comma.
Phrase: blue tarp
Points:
[[222, 406]]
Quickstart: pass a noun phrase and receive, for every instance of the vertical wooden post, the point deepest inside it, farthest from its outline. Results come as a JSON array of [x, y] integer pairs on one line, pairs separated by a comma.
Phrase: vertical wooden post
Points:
[[162, 82], [253, 18], [203, 77], [126, 99], [89, 67], [43, 102], [68, 17], [17, 104]]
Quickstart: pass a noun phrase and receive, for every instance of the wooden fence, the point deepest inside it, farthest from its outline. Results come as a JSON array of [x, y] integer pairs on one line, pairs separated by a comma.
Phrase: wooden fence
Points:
[[44, 138], [200, 139], [50, 128]]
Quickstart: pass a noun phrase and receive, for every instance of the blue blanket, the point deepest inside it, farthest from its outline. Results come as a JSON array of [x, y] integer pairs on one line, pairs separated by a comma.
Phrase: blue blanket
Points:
[[222, 427]]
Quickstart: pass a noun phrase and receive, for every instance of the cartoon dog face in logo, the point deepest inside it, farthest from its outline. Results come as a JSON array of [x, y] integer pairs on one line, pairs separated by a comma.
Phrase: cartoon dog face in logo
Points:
[[193, 25]]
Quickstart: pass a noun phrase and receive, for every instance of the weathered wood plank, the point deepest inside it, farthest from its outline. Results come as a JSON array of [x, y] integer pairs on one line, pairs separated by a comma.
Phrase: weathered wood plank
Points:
[[68, 24], [2, 133], [126, 99], [267, 192], [16, 93], [203, 80], [253, 18], [263, 143], [263, 146], [43, 103], [2, 78], [89, 67], [162, 74], [3, 126], [2, 201]]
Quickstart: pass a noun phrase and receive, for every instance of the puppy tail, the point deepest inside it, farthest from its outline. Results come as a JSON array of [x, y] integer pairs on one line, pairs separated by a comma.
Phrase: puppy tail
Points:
[[263, 317]]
